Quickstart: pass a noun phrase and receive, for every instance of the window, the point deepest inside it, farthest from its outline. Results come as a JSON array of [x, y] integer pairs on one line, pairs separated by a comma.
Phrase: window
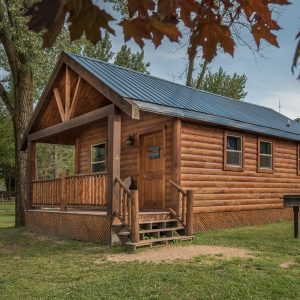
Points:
[[98, 157], [265, 161], [233, 152]]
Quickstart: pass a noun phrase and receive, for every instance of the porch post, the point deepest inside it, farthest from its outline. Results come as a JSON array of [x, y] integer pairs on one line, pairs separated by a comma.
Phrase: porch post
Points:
[[114, 152], [189, 212], [176, 168], [30, 171]]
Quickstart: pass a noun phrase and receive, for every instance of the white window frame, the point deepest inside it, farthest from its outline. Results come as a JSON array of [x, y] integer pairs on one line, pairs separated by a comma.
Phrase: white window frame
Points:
[[266, 155], [235, 151]]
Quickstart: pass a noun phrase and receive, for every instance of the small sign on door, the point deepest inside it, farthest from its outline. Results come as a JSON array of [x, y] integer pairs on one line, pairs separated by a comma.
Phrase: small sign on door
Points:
[[154, 152]]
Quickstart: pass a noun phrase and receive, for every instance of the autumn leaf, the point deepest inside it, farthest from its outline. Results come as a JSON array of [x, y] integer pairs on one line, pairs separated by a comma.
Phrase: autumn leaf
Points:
[[262, 31], [187, 7], [161, 29], [209, 34], [141, 7], [89, 20], [50, 15], [167, 8], [136, 29], [84, 16]]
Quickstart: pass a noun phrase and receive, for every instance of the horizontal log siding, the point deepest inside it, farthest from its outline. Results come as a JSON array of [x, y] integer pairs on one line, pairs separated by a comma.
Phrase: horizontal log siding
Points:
[[217, 190], [129, 154], [90, 135]]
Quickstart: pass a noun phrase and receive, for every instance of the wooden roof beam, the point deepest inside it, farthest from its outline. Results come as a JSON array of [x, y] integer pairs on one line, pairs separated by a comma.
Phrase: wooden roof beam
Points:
[[67, 93], [73, 123], [75, 99], [130, 108], [59, 104]]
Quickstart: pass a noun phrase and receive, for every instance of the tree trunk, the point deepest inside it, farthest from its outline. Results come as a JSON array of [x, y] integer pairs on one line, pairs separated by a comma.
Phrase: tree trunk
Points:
[[202, 73], [22, 115], [189, 77]]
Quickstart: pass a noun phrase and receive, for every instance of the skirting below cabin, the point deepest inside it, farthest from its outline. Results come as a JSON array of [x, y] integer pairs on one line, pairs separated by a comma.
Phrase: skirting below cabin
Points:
[[82, 226], [96, 226], [221, 220]]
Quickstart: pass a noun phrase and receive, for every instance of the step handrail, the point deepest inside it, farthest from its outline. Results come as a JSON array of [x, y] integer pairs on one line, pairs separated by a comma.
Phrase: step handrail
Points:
[[122, 184], [184, 209], [179, 188], [128, 209]]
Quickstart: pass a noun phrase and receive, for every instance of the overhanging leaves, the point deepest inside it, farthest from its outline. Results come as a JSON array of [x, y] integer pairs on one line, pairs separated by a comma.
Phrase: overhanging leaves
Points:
[[154, 20]]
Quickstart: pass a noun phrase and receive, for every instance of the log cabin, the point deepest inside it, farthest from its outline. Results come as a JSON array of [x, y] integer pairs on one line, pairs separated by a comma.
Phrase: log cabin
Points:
[[154, 158]]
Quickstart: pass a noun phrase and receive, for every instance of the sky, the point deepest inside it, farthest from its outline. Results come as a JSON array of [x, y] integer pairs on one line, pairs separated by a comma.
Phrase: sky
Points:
[[269, 77]]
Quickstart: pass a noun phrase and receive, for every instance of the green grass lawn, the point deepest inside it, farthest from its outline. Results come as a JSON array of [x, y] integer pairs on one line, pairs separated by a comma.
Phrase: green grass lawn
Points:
[[35, 267]]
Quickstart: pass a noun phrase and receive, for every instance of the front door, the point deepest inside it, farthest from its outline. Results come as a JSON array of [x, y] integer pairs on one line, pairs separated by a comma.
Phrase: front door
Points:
[[152, 170]]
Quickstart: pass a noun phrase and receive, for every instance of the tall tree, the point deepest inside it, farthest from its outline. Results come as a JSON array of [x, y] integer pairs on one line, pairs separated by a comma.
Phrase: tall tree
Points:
[[131, 60], [6, 138], [19, 50], [223, 84]]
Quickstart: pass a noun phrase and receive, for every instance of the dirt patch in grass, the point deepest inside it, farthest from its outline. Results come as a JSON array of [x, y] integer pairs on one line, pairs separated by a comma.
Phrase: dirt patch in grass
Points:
[[171, 253], [287, 264]]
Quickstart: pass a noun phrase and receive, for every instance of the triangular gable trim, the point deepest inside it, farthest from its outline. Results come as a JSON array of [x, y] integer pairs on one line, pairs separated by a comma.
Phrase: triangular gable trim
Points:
[[126, 105]]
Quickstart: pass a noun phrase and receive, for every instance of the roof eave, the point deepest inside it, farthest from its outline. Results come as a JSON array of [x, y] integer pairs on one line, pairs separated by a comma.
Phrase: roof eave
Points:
[[215, 120]]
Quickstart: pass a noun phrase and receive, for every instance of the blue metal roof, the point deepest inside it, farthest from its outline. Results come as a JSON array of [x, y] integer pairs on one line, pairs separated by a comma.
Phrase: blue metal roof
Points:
[[161, 96]]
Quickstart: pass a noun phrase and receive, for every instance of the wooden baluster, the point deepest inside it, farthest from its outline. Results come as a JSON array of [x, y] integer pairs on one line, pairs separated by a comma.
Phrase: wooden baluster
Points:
[[49, 192], [42, 191], [124, 206], [90, 189], [63, 191], [38, 199], [83, 192], [120, 201], [135, 227], [96, 190], [189, 212], [129, 210], [179, 205]]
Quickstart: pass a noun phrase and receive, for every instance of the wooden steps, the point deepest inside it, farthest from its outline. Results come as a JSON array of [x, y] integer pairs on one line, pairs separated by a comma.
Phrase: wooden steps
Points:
[[155, 231], [164, 240]]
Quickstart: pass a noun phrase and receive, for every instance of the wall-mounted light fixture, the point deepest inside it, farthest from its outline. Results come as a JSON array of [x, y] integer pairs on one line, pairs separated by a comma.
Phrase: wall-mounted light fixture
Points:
[[130, 140]]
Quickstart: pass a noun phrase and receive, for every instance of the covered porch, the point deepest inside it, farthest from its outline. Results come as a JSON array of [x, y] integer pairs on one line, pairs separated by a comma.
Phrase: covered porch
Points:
[[121, 190], [82, 190]]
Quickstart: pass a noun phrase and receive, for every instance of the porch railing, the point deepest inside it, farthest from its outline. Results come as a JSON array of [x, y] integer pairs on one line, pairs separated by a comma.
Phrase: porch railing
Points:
[[184, 207], [84, 190], [128, 209], [46, 192]]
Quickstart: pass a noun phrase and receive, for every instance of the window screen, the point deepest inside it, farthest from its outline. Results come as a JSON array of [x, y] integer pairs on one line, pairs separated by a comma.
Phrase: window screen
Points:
[[234, 151], [265, 161], [98, 157]]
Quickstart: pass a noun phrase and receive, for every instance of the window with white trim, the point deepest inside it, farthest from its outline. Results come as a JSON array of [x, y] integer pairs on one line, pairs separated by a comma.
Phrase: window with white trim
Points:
[[98, 157], [265, 155], [234, 151]]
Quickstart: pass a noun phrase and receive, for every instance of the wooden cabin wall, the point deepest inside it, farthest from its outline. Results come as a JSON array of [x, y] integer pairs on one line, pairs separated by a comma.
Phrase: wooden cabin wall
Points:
[[97, 133], [217, 190], [129, 154], [90, 135]]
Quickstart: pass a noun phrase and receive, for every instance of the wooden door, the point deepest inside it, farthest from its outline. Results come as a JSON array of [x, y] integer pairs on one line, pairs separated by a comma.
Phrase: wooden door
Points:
[[152, 170]]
